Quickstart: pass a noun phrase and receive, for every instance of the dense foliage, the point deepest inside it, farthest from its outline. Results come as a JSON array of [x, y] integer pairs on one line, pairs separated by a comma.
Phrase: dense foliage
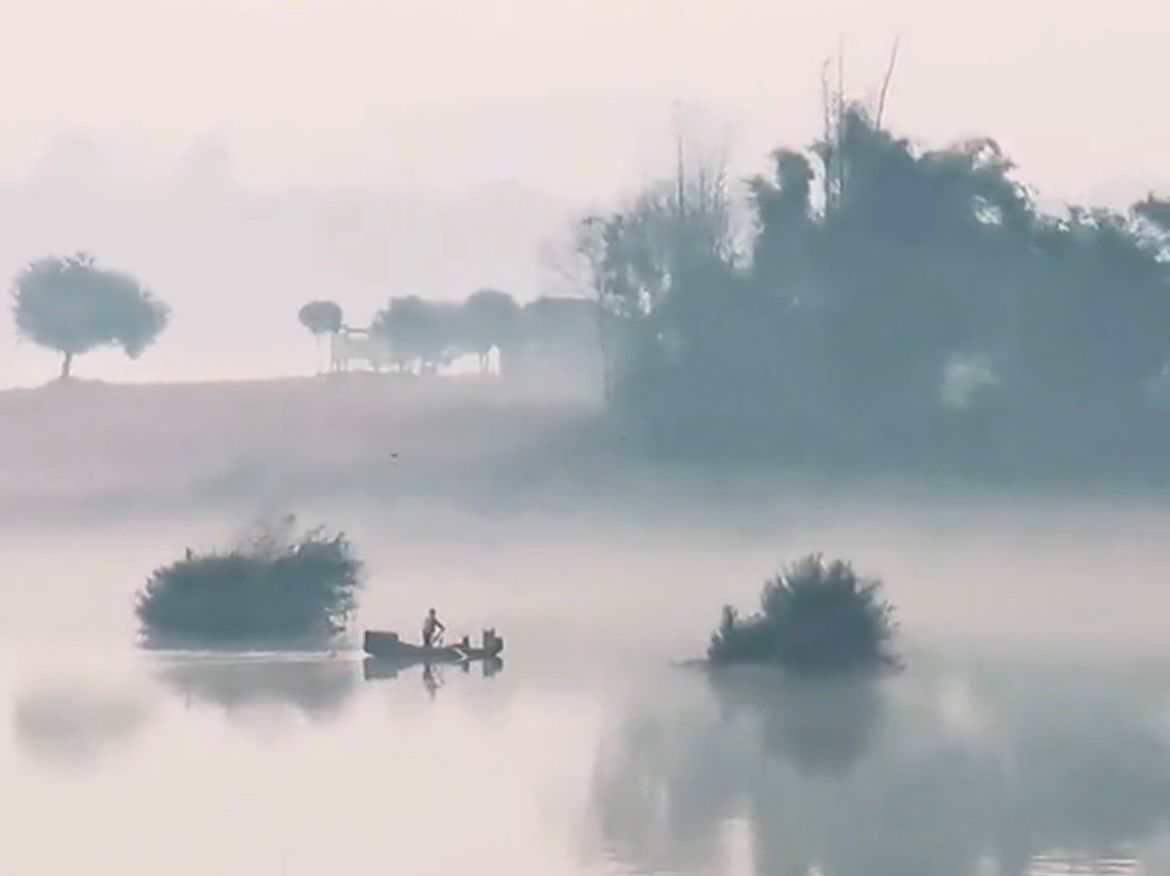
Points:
[[894, 306], [490, 319], [815, 617], [422, 334], [71, 305], [279, 586], [425, 335]]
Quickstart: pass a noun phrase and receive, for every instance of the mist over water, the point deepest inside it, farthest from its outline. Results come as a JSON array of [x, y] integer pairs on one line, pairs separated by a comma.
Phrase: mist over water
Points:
[[580, 320], [1028, 733]]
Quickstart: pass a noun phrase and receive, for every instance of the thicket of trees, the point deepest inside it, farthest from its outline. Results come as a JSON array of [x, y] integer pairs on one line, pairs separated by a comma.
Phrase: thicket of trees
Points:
[[894, 306], [425, 334], [71, 305]]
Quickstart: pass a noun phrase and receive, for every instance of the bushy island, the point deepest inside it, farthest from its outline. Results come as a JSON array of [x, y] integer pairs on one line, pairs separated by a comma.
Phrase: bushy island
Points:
[[278, 586], [816, 617]]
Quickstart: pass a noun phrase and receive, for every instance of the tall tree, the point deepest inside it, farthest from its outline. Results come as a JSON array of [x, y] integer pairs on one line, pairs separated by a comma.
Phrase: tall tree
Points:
[[71, 305], [489, 320], [321, 318], [419, 331]]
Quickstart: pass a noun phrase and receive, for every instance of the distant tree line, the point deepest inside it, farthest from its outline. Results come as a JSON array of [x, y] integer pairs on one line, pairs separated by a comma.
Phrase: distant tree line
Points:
[[895, 306], [72, 305], [423, 335]]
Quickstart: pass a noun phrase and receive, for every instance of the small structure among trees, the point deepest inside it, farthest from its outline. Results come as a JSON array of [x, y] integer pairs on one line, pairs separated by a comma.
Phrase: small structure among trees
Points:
[[549, 340], [816, 617], [349, 345], [69, 304]]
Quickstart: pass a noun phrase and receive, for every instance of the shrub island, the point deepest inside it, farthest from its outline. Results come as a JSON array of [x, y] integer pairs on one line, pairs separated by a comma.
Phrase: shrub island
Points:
[[816, 618], [279, 586]]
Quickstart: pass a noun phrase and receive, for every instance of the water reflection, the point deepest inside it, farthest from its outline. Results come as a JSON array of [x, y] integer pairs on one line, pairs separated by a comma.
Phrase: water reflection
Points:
[[73, 722], [315, 686], [375, 669], [433, 676], [940, 772], [818, 727]]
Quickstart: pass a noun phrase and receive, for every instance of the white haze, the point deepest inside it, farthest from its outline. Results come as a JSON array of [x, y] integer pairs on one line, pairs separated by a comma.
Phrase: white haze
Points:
[[242, 156]]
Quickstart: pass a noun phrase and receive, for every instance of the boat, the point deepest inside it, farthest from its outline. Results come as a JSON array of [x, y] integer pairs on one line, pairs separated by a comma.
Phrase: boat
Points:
[[386, 645]]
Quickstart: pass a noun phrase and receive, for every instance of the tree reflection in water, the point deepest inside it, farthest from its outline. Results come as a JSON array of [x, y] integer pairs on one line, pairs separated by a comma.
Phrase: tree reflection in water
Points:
[[74, 722], [931, 773], [317, 687]]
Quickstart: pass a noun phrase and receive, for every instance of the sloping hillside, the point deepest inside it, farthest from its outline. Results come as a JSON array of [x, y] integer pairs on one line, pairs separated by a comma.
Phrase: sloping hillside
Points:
[[82, 444]]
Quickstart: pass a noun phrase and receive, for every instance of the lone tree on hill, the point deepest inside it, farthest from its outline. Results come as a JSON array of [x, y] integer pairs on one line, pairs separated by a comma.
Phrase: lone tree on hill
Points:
[[70, 305]]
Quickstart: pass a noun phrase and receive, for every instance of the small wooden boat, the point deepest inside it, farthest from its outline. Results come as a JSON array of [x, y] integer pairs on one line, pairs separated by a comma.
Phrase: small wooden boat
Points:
[[383, 645]]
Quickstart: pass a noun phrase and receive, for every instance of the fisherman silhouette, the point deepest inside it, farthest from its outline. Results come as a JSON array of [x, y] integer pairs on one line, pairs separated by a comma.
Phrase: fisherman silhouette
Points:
[[431, 626]]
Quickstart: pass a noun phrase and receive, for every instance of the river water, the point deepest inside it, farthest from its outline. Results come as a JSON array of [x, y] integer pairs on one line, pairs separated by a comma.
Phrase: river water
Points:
[[1030, 732]]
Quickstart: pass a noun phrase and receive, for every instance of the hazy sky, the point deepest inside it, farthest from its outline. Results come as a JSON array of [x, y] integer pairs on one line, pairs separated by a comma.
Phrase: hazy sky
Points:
[[570, 102], [569, 95]]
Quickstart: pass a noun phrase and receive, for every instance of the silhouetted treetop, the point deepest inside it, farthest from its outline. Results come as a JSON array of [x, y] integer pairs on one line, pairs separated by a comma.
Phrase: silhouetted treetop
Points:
[[321, 317]]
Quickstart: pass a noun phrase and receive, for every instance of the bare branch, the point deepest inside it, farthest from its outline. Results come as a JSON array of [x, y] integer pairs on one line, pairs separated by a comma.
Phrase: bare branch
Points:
[[886, 82]]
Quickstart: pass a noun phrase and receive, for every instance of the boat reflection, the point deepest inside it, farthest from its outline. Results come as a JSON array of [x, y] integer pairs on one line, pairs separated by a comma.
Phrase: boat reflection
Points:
[[380, 669]]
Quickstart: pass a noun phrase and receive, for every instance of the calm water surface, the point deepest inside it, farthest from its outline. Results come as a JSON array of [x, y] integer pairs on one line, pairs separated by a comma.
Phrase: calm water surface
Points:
[[586, 752]]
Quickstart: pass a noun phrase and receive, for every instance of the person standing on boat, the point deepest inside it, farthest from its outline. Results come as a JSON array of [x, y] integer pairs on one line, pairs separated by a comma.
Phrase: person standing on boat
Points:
[[431, 626]]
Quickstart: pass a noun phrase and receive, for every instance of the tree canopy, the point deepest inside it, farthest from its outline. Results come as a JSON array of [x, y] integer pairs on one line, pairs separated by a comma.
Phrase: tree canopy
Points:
[[321, 317], [429, 334], [896, 306], [420, 332], [490, 320], [71, 305]]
